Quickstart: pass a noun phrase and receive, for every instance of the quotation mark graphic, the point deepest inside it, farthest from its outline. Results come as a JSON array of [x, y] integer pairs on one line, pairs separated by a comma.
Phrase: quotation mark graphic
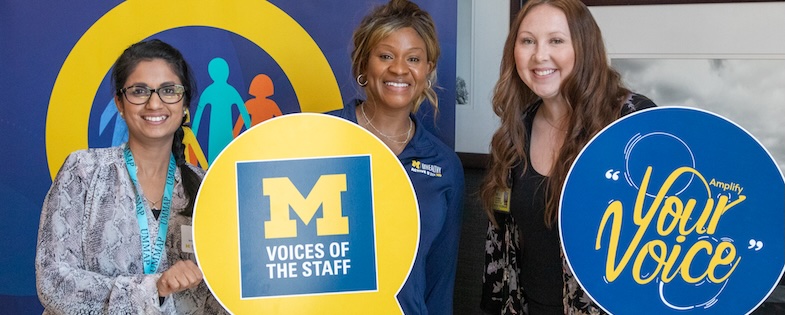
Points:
[[611, 174], [756, 244]]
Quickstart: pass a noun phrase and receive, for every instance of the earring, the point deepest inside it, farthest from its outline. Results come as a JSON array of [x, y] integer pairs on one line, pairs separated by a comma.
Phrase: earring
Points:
[[430, 84], [185, 112], [362, 84], [121, 114]]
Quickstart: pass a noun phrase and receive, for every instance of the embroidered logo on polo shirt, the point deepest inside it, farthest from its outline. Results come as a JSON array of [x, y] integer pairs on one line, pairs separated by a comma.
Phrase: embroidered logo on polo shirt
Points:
[[427, 169]]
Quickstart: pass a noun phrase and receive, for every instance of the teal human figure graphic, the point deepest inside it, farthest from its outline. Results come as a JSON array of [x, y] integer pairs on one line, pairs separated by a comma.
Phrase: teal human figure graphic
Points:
[[120, 131], [221, 96]]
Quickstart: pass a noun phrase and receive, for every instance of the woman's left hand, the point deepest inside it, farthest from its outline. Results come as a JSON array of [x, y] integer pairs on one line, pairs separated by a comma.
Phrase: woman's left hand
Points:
[[182, 275]]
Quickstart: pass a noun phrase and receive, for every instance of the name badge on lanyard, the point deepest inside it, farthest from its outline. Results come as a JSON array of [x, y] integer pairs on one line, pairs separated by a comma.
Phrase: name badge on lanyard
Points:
[[186, 232], [501, 200]]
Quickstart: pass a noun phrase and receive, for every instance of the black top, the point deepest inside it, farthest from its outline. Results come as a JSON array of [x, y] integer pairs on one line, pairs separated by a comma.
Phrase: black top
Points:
[[539, 257], [156, 212], [540, 262]]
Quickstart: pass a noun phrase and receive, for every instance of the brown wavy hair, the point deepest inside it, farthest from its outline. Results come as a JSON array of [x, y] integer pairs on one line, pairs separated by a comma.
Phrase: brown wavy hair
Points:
[[593, 92], [385, 20]]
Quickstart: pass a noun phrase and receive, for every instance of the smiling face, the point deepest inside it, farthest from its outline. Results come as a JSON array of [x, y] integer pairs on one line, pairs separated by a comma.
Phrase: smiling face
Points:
[[544, 55], [397, 70], [154, 121]]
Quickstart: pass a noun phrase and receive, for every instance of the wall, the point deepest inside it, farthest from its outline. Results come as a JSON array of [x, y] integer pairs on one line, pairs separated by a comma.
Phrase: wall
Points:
[[724, 31], [475, 121], [55, 57]]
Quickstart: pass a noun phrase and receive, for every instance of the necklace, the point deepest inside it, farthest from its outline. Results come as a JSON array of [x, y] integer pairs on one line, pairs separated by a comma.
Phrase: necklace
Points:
[[547, 121], [552, 125], [408, 133], [152, 203]]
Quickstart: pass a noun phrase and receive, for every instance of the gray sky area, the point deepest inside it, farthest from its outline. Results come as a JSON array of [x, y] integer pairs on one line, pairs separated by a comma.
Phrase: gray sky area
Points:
[[750, 93]]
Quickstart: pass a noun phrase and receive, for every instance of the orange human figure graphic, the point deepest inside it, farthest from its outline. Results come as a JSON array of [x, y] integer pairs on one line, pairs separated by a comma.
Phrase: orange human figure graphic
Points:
[[260, 107], [193, 150]]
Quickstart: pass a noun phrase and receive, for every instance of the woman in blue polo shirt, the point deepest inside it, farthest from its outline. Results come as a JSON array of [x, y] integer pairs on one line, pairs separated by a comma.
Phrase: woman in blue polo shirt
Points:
[[394, 61]]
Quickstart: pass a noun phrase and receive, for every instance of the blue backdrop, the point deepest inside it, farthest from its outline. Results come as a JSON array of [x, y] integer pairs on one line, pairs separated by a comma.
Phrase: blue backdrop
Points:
[[36, 38]]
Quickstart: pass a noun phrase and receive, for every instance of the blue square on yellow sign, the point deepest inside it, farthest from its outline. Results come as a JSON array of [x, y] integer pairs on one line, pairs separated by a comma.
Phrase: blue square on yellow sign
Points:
[[306, 226]]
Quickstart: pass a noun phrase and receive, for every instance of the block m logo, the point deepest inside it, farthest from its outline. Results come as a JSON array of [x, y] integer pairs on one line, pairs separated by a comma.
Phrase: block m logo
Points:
[[326, 192]]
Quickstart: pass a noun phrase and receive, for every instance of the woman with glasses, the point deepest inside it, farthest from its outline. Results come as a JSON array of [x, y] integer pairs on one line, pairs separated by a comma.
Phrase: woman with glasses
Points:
[[115, 223]]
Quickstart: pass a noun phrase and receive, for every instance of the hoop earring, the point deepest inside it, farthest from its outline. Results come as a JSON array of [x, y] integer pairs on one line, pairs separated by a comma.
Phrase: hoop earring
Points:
[[430, 84], [362, 84]]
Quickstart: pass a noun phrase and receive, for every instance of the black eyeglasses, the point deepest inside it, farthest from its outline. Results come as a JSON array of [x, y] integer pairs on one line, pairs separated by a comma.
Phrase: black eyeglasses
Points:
[[140, 94]]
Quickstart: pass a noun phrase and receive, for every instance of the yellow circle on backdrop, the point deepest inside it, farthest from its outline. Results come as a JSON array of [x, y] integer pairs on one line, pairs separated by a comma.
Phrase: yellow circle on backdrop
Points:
[[217, 216], [259, 21]]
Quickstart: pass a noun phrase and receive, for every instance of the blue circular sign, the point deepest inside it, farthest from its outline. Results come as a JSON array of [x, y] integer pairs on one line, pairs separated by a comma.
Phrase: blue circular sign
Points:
[[677, 209]]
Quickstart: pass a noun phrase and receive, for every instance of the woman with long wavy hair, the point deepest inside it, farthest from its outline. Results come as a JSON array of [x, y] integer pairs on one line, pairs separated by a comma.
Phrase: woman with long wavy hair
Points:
[[556, 90]]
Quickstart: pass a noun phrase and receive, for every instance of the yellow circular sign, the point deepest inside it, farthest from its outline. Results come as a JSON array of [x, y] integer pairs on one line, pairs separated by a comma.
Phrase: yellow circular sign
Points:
[[306, 214], [131, 21]]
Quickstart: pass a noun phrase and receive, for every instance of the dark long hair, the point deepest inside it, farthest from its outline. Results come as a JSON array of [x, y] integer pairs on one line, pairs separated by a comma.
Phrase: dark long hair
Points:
[[157, 49], [593, 91]]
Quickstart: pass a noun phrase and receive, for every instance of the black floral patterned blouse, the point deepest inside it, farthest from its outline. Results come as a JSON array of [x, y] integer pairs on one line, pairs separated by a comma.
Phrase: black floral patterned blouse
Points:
[[552, 287]]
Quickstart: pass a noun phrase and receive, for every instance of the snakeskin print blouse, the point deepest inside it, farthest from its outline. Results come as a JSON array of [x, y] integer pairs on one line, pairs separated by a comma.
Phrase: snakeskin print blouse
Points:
[[89, 256]]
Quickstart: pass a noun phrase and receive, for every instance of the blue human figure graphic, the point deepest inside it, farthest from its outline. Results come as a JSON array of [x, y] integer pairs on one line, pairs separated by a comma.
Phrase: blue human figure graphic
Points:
[[221, 96], [120, 131]]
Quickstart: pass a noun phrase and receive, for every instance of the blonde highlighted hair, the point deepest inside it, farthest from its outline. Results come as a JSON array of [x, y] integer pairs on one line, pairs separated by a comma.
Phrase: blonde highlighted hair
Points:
[[383, 21]]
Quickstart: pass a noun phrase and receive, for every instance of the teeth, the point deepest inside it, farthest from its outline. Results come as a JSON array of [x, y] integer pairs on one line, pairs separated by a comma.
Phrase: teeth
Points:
[[154, 118], [397, 84], [544, 72]]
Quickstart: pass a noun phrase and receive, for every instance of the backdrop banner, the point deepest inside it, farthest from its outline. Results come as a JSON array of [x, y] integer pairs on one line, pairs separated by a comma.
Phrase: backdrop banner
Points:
[[252, 58]]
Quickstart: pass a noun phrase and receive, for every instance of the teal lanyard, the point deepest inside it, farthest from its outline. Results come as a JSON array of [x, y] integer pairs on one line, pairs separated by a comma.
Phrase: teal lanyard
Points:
[[151, 255]]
